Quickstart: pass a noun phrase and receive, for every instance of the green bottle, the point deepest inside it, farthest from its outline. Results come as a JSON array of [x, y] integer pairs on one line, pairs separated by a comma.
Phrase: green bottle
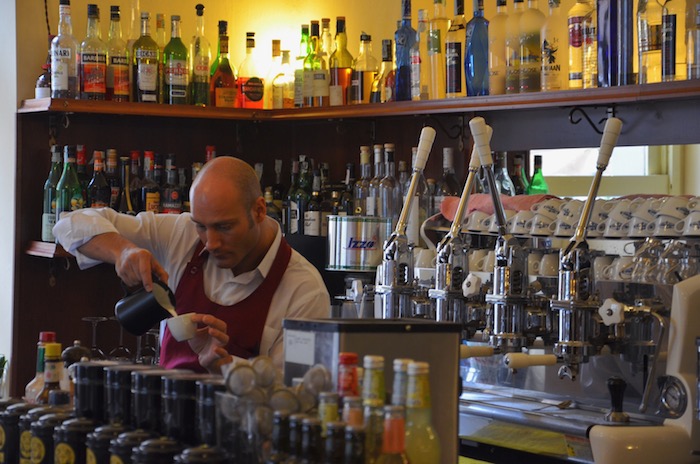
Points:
[[48, 218], [175, 67], [537, 184], [200, 57], [69, 193], [145, 64]]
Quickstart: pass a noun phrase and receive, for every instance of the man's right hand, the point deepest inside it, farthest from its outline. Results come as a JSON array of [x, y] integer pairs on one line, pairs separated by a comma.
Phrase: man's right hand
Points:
[[137, 266]]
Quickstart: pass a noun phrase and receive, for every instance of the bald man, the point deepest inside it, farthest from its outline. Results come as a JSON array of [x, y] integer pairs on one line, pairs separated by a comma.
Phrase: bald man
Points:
[[226, 261]]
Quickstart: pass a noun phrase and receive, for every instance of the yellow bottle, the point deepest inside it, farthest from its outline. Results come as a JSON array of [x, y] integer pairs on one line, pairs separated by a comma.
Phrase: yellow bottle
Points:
[[422, 442]]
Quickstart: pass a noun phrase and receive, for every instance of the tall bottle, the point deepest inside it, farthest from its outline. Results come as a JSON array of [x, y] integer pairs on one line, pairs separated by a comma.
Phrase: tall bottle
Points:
[[554, 40], [420, 86], [504, 183], [81, 168], [363, 70], [405, 38], [112, 177], [448, 186], [518, 176], [65, 82], [302, 196], [117, 60], [150, 190], [538, 185], [283, 84], [312, 212], [135, 180], [340, 66], [299, 67], [93, 59], [48, 217], [200, 57], [272, 71], [693, 43], [31, 391], [439, 25], [394, 437], [455, 86], [326, 39], [531, 22], [379, 166], [590, 49], [175, 67], [649, 41], [222, 86], [171, 195], [513, 48], [125, 204], [290, 212], [99, 191], [576, 22], [389, 192], [69, 193], [497, 49], [53, 367], [361, 188], [385, 80], [251, 86], [146, 56], [476, 58], [316, 78], [422, 441]]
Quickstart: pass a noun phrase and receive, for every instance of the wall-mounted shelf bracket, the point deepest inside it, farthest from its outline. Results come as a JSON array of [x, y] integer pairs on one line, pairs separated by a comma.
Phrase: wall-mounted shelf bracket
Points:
[[578, 110]]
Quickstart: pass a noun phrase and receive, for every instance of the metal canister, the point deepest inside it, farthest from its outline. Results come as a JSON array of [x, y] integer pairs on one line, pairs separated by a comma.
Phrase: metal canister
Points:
[[97, 443], [9, 431], [69, 440], [201, 454], [42, 436], [25, 433], [117, 381], [206, 409], [89, 389], [121, 448], [146, 397], [179, 406], [156, 451], [355, 243]]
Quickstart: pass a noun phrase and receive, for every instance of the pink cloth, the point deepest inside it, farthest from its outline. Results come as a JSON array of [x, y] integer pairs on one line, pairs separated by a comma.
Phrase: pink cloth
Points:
[[482, 202]]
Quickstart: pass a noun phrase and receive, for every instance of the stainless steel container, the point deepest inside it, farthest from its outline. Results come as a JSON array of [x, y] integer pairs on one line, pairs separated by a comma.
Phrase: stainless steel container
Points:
[[355, 243]]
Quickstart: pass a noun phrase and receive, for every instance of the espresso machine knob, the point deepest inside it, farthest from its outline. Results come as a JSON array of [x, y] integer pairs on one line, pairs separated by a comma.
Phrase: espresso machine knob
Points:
[[617, 386]]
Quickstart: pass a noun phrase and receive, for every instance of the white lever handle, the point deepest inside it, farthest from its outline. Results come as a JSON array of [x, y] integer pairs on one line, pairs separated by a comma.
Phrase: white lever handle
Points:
[[482, 141], [425, 143], [613, 126], [477, 351], [475, 161], [612, 312], [520, 360]]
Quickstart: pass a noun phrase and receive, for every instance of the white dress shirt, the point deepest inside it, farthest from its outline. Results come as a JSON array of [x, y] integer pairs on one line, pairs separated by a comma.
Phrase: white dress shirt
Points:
[[172, 239]]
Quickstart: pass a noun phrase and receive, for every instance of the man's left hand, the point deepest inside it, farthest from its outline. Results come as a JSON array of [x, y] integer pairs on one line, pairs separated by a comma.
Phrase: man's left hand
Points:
[[210, 341]]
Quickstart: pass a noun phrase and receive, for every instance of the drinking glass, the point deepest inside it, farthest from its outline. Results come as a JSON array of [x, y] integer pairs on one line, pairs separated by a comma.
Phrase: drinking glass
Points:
[[95, 351], [121, 352], [147, 352]]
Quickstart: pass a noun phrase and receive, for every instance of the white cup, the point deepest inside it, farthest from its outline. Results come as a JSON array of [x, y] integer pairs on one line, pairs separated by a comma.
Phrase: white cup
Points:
[[549, 264], [519, 225], [493, 224], [541, 225], [565, 227], [664, 226], [674, 206], [694, 204], [476, 259], [475, 221], [599, 265], [648, 209], [488, 262], [549, 207], [571, 208], [181, 327], [614, 229], [623, 209], [639, 227], [533, 263], [620, 268], [690, 226]]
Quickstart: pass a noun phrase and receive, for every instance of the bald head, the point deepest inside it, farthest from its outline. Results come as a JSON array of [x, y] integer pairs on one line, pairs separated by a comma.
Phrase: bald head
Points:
[[229, 171]]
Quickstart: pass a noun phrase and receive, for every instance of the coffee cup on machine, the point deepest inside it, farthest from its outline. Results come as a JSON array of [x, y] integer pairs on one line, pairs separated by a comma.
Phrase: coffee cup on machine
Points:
[[139, 310]]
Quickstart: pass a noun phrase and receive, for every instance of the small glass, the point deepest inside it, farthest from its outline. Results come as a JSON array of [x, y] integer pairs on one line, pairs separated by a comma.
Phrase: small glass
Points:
[[121, 352], [95, 352]]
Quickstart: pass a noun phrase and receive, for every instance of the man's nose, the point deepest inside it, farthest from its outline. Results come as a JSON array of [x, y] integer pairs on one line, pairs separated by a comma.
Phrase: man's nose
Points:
[[213, 240]]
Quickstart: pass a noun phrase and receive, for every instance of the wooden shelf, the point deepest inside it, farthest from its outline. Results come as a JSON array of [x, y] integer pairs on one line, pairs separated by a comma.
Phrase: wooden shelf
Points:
[[46, 250]]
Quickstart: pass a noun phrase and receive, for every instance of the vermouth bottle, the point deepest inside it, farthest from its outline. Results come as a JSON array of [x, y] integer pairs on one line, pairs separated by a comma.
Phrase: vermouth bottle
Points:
[[476, 59], [64, 57], [497, 50], [69, 193], [251, 86], [454, 46], [299, 67], [222, 87], [361, 188], [175, 67], [48, 217], [384, 81], [364, 69], [150, 192], [340, 66], [99, 191], [93, 59], [117, 60], [531, 22], [405, 37], [145, 64], [439, 25], [554, 38], [513, 48], [200, 56]]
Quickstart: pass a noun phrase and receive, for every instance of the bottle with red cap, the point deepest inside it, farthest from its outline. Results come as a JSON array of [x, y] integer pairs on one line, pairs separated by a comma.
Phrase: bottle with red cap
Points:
[[347, 375], [37, 383]]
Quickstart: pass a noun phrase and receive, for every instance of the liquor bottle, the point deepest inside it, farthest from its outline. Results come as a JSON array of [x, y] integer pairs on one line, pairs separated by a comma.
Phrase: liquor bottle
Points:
[[99, 191], [519, 181], [272, 210], [145, 63], [614, 36], [171, 196], [363, 70], [289, 210], [346, 198], [497, 50], [590, 50], [65, 82], [476, 59], [327, 409], [272, 71], [340, 65], [158, 169], [326, 39], [312, 212], [448, 185], [222, 87], [125, 204], [311, 441], [200, 56], [513, 48], [399, 388], [537, 184], [53, 368], [693, 43], [299, 67], [384, 82], [31, 391], [531, 22], [93, 59], [576, 22], [48, 217], [404, 177], [112, 177], [258, 168], [302, 196], [134, 31], [42, 88], [69, 193], [184, 189], [649, 40], [405, 39], [436, 49], [422, 441], [283, 84], [504, 183], [278, 189], [420, 207], [389, 204], [251, 86], [81, 168], [554, 37], [455, 85], [432, 191], [150, 190], [160, 33], [420, 89], [379, 166], [316, 78], [394, 439], [117, 60], [175, 67], [361, 188], [135, 180]]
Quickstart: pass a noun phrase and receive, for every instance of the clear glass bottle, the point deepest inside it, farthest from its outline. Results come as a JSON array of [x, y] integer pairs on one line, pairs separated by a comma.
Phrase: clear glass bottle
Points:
[[497, 49], [161, 40], [554, 41], [65, 81], [251, 86], [272, 210], [538, 185], [48, 217], [272, 72], [531, 22], [399, 388], [364, 69], [476, 59], [404, 177], [693, 44], [405, 39], [326, 39], [99, 191], [448, 186], [379, 166], [200, 59], [361, 188], [175, 67], [649, 40], [150, 190], [222, 85], [422, 441], [118, 88], [31, 391], [316, 77], [439, 25], [420, 67], [283, 84], [389, 205], [519, 181], [69, 193], [347, 200], [394, 437], [312, 212], [504, 183], [513, 48], [340, 66], [93, 59], [385, 80], [455, 86], [146, 56], [299, 67]]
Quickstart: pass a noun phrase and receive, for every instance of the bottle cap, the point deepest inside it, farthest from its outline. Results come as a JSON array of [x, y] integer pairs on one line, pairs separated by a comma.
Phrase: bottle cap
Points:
[[401, 364], [347, 357], [47, 337], [418, 368], [53, 350], [373, 361], [200, 9], [223, 26], [364, 37]]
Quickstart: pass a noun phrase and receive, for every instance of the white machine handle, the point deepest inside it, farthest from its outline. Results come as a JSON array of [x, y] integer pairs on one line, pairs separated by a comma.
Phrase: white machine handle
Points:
[[613, 126], [520, 360], [477, 351]]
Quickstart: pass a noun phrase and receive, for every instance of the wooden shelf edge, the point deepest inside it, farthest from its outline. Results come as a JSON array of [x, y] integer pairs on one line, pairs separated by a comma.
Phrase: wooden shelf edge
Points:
[[563, 98], [46, 250]]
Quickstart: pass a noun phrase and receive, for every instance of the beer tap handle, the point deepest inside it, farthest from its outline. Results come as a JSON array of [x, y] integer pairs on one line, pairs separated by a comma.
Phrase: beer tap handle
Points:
[[616, 386], [611, 132]]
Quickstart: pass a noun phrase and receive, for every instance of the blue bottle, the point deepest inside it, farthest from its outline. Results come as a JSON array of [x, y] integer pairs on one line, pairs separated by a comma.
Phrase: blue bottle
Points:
[[405, 37], [476, 56]]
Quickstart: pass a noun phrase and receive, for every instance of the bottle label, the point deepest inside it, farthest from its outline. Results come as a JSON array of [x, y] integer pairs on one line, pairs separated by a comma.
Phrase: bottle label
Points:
[[114, 196], [312, 223], [64, 454], [48, 220], [320, 83], [93, 70], [118, 75], [38, 450], [307, 89], [90, 457], [530, 64], [225, 97], [176, 75], [360, 86], [453, 67], [25, 447], [252, 88], [201, 68], [551, 63], [336, 95], [152, 202], [293, 217], [60, 68], [147, 75], [298, 87], [418, 392], [52, 372], [576, 31], [415, 74]]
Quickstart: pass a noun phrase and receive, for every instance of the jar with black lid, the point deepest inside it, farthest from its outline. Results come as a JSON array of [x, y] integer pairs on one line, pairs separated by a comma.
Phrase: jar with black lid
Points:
[[146, 397], [7, 402], [206, 409], [156, 451], [25, 433], [97, 442], [89, 389], [9, 428], [121, 448], [204, 454], [69, 440], [280, 437], [42, 436], [118, 391], [179, 406]]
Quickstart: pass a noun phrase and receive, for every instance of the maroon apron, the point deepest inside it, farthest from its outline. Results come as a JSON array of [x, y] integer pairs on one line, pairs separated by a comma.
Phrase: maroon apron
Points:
[[245, 320]]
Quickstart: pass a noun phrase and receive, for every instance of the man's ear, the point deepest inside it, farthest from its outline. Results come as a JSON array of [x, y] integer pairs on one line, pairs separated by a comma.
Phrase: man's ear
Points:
[[259, 209]]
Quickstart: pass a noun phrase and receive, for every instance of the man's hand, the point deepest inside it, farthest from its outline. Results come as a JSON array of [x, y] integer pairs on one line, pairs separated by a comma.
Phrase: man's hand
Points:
[[136, 266], [210, 341]]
